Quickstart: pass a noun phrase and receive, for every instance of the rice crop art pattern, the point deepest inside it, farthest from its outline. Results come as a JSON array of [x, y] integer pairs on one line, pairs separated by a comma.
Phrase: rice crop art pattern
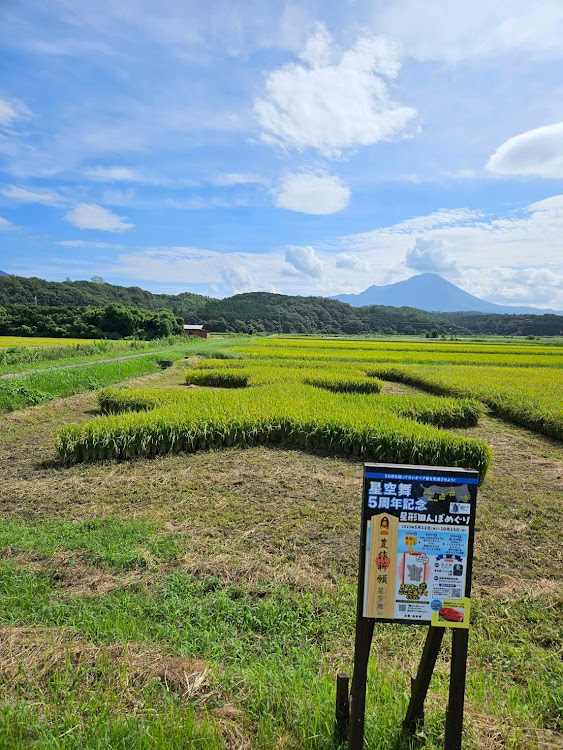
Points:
[[336, 408]]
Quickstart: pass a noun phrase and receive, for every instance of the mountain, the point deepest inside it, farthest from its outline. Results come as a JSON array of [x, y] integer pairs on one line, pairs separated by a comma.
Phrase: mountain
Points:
[[431, 292], [3, 273]]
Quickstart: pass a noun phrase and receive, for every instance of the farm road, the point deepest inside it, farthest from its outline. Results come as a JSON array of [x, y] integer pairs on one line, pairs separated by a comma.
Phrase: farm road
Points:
[[80, 364]]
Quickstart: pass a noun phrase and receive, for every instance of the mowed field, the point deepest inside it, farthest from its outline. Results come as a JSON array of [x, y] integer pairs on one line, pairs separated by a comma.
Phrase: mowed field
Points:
[[179, 554]]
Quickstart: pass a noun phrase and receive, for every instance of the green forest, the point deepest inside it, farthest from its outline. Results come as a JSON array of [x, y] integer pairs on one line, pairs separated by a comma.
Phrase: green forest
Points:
[[95, 309]]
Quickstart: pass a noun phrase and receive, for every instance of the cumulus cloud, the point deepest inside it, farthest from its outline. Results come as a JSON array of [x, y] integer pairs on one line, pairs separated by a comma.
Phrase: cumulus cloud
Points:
[[304, 260], [430, 256], [237, 279], [25, 195], [310, 193], [535, 153], [12, 110], [332, 99], [347, 260], [91, 216], [517, 286]]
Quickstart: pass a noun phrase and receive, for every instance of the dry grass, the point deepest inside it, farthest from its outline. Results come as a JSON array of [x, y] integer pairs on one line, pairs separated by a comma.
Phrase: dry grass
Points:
[[32, 654], [260, 518]]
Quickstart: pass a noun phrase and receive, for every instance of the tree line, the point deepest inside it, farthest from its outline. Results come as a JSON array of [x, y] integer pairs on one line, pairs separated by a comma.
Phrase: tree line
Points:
[[112, 321], [94, 309]]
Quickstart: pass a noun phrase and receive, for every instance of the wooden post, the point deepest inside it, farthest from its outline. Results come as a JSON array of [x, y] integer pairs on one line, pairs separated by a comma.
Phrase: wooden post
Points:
[[454, 713], [342, 707], [419, 686], [364, 635]]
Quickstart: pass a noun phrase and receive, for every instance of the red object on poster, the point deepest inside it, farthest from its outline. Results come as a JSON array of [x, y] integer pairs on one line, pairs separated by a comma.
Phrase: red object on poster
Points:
[[453, 615]]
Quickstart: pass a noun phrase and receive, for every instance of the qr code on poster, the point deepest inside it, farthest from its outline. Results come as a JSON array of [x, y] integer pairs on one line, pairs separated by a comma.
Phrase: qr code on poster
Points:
[[402, 607]]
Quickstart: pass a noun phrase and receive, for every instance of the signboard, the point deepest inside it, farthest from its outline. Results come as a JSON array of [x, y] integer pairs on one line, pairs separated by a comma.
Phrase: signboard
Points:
[[417, 544]]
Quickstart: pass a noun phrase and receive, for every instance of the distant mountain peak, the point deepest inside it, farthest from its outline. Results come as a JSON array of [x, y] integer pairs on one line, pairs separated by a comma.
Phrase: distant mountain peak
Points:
[[3, 273], [433, 293]]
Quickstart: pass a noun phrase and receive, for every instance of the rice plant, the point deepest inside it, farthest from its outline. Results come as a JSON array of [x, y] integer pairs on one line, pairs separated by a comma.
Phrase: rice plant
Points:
[[289, 415]]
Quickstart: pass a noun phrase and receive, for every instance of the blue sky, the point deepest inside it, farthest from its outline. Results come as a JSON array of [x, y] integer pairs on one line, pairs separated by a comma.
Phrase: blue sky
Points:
[[301, 147]]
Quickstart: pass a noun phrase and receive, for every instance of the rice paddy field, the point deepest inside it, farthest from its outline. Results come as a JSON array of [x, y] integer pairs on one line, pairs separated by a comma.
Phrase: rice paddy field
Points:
[[178, 551], [32, 341]]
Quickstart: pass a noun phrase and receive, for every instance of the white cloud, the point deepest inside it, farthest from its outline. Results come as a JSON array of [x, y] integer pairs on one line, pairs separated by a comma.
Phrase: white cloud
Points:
[[237, 279], [310, 193], [555, 203], [430, 255], [197, 203], [511, 260], [536, 153], [91, 216], [113, 174], [238, 178], [186, 267], [334, 100], [25, 195], [346, 260], [441, 218], [11, 110], [86, 243], [6, 225], [304, 260], [516, 286], [456, 31]]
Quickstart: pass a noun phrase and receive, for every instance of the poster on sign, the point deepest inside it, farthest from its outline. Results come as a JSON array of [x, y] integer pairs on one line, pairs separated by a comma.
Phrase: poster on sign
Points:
[[417, 544]]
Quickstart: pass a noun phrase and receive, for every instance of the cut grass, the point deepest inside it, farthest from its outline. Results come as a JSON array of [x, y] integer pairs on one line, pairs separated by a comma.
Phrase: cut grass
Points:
[[259, 587], [117, 544]]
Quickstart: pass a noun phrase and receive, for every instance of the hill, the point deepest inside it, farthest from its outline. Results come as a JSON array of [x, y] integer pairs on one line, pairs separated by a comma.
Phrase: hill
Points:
[[431, 292], [24, 299], [19, 290], [3, 273]]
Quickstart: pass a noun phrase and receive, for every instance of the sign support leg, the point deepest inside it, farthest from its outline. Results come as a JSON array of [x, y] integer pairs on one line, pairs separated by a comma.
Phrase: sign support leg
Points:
[[342, 718], [454, 713], [364, 635], [415, 711]]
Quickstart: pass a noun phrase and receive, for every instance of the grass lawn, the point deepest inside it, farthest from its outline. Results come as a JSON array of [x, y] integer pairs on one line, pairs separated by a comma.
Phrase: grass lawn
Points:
[[207, 600]]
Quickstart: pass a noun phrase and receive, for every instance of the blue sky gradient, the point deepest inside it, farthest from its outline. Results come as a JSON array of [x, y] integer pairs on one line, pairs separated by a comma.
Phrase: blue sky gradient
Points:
[[305, 148]]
